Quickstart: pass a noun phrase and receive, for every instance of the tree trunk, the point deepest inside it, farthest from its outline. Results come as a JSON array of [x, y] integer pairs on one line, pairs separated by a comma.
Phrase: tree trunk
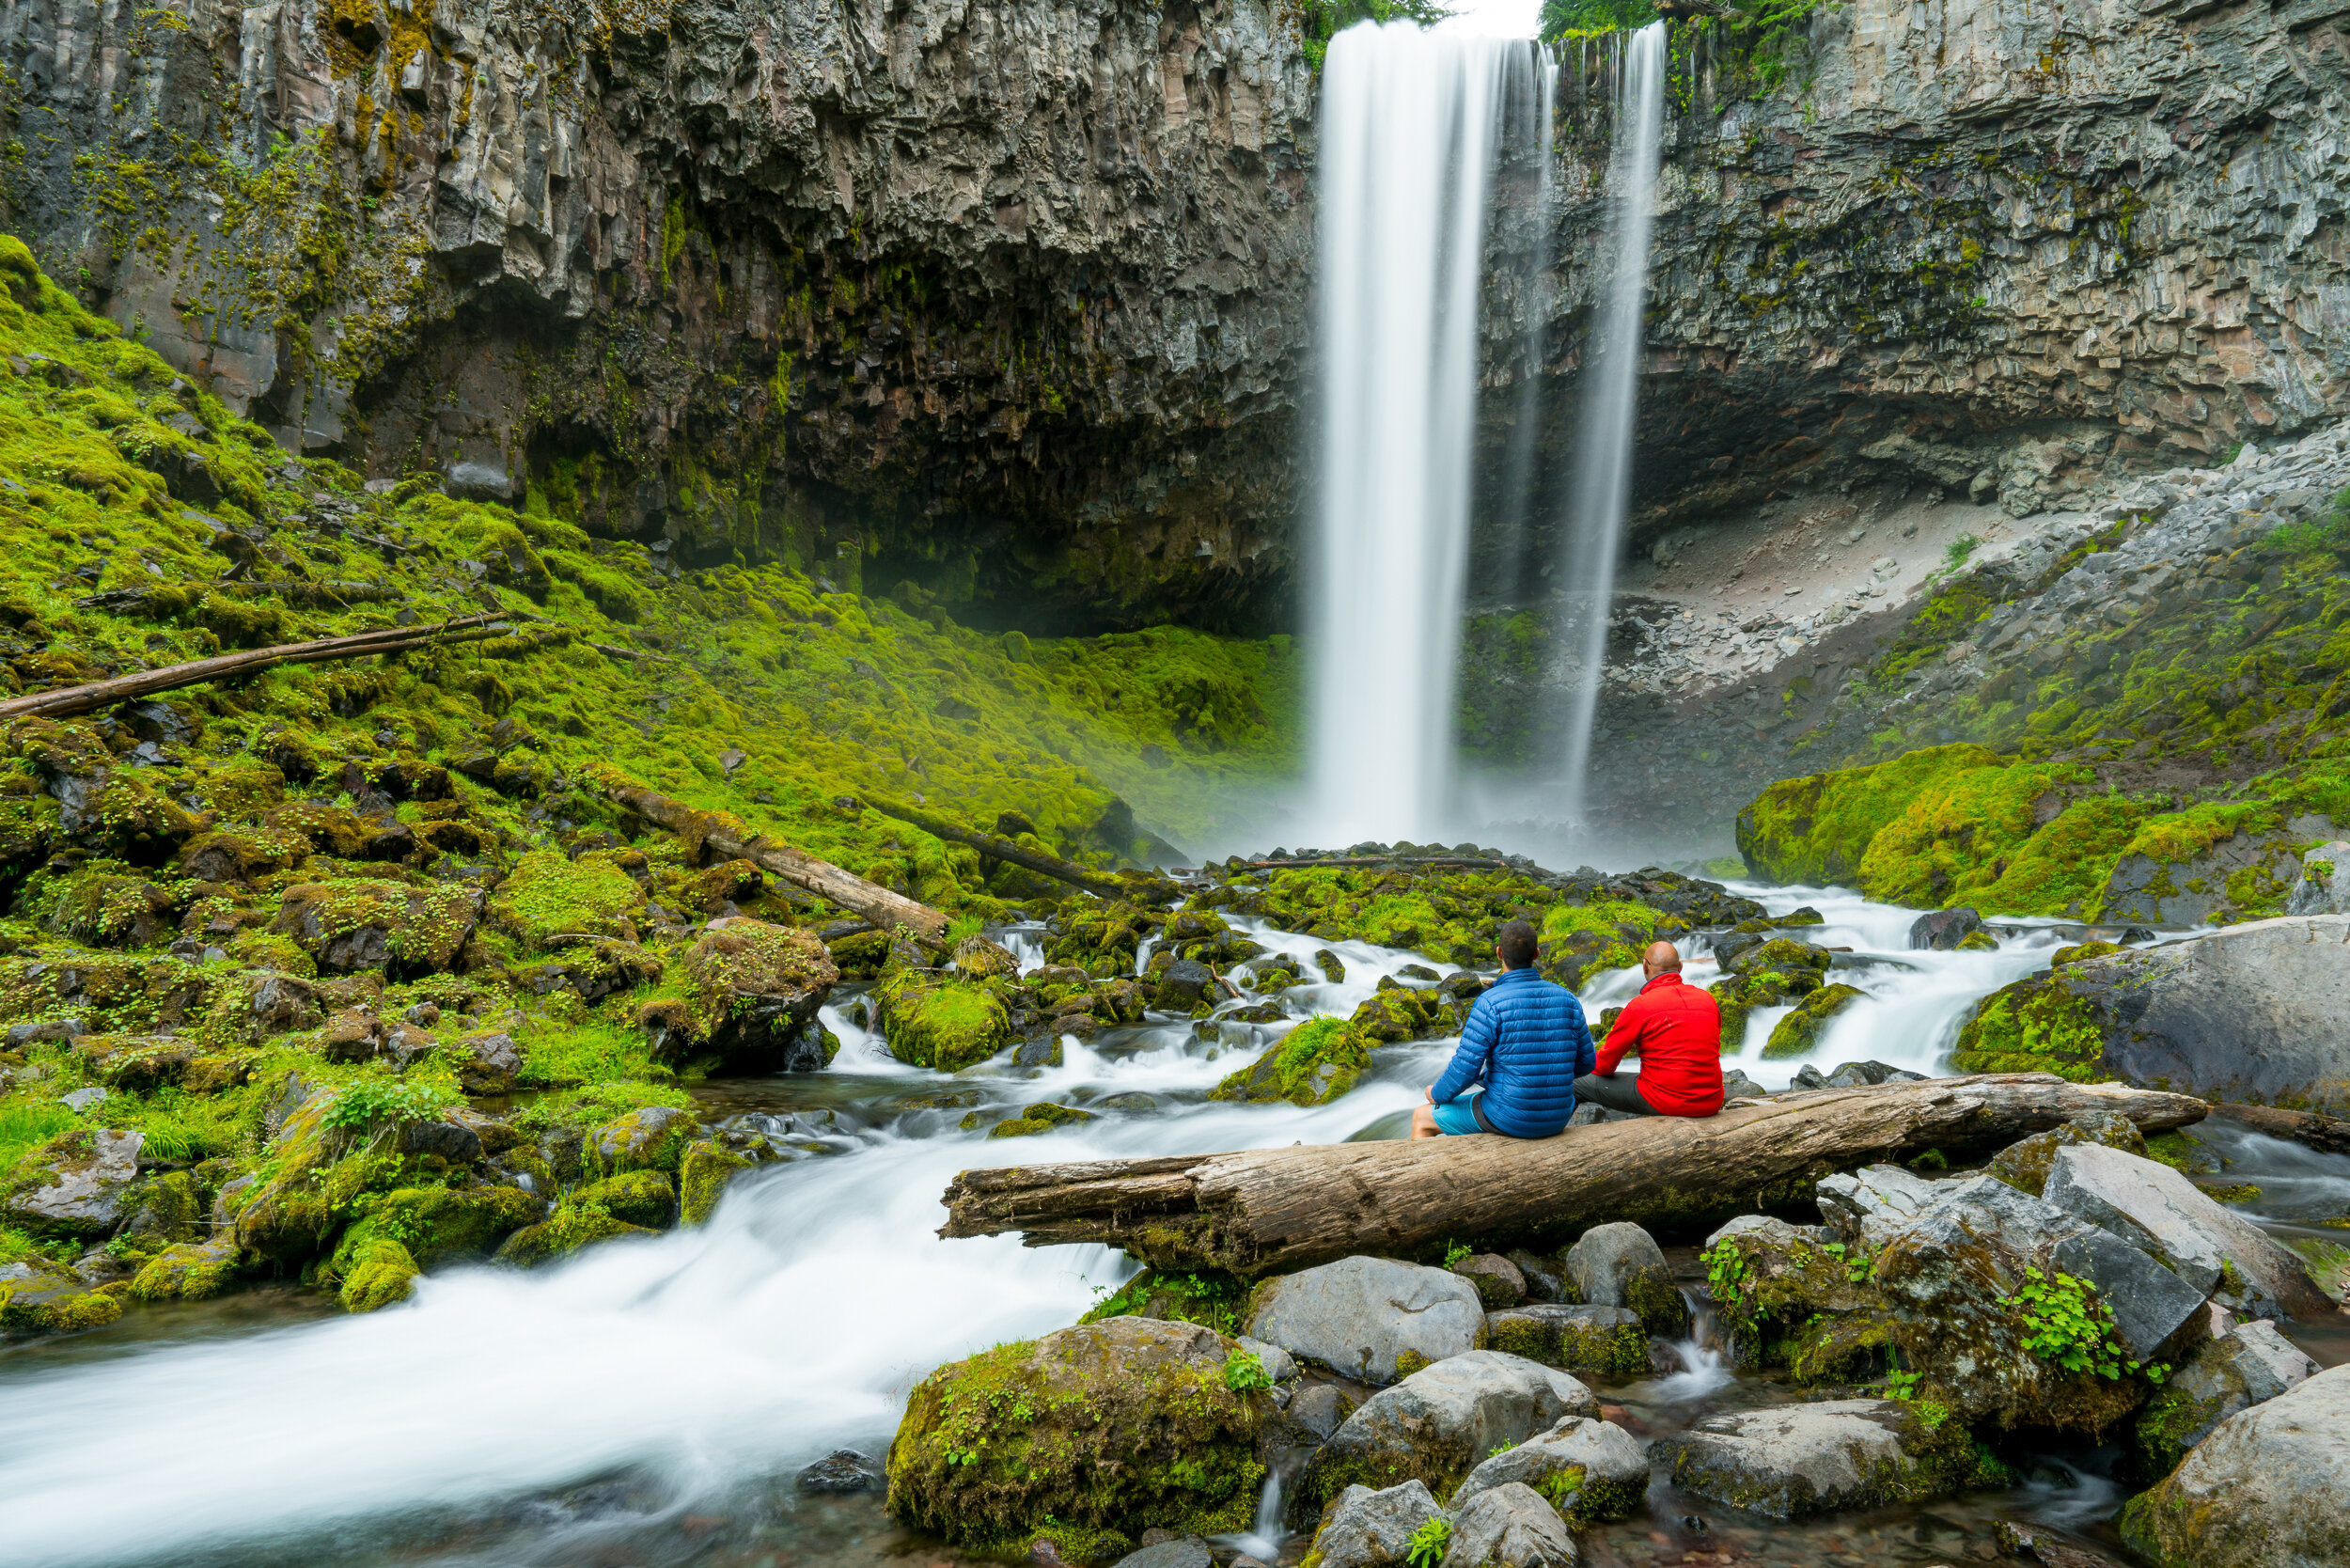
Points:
[[1268, 1210], [64, 701], [728, 838], [1099, 883]]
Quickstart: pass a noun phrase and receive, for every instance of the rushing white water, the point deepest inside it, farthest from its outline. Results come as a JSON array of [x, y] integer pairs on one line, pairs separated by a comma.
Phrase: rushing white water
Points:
[[707, 1360], [1603, 486], [1408, 126]]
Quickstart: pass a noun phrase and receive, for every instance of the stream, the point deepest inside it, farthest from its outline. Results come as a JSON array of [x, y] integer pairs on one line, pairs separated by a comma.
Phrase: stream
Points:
[[649, 1402]]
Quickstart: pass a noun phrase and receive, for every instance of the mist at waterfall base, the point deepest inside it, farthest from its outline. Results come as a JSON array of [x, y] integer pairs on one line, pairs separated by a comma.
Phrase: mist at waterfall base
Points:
[[1413, 127], [517, 1417]]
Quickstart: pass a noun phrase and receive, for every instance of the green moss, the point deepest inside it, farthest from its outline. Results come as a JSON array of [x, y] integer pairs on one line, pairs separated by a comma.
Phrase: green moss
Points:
[[943, 1024], [640, 1198], [569, 1228], [549, 894], [1040, 1117], [1798, 1033], [1819, 829], [1312, 1065], [380, 1272], [184, 1272], [2034, 1025], [1581, 940], [702, 1178]]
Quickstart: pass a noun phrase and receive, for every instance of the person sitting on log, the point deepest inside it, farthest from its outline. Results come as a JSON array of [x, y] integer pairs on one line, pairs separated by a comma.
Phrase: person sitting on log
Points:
[[1520, 1051], [1677, 1029]]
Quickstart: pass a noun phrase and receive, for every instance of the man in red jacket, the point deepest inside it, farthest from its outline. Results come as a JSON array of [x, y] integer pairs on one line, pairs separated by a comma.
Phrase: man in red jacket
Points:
[[1677, 1029]]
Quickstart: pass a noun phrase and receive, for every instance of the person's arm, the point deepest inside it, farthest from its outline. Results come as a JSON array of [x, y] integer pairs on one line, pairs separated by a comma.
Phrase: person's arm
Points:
[[1586, 1054], [1469, 1058], [1622, 1037]]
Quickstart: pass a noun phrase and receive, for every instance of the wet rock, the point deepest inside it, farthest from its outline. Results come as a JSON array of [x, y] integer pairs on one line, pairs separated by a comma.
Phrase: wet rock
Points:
[[1509, 1525], [640, 1198], [1856, 1075], [1278, 1364], [1182, 985], [1333, 967], [76, 1185], [451, 1141], [2024, 1165], [1621, 1265], [1798, 1033], [2248, 1365], [2268, 1488], [1865, 1208], [1369, 1318], [1943, 930], [1498, 1280], [1439, 1423], [843, 1470], [1580, 1336], [1545, 1277], [188, 1271], [1587, 1469], [941, 1024], [1364, 1529], [653, 1138], [753, 990], [1183, 1551], [1319, 1408], [980, 959], [1792, 1462], [563, 1234], [2157, 1209], [2035, 1544]]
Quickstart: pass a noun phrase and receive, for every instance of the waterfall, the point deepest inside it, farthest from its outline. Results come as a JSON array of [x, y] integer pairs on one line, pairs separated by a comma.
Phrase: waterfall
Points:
[[1611, 390], [1409, 124]]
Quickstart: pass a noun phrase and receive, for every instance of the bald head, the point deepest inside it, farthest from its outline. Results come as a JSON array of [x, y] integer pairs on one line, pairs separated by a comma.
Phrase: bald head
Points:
[[1662, 958]]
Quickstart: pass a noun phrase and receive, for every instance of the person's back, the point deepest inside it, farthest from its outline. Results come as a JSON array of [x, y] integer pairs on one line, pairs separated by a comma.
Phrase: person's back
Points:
[[1526, 1042], [1677, 1031]]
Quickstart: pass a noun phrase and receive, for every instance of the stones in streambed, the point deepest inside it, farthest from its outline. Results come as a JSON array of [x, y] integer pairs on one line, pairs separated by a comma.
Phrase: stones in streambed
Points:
[[1945, 929], [1373, 1527], [1440, 1422], [1311, 1065], [2250, 1364], [2249, 1012], [1620, 1264], [1587, 1469], [1798, 1033], [843, 1470], [1042, 1116], [1086, 1437], [1510, 1526], [2268, 1488], [1576, 1337], [2024, 1164], [1373, 1319], [1852, 1075], [1794, 1462], [1498, 1280], [948, 1025], [1180, 1551]]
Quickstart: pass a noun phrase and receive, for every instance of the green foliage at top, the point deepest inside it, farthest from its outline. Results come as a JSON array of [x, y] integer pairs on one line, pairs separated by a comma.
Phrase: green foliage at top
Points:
[[1565, 18], [1320, 21], [1764, 34]]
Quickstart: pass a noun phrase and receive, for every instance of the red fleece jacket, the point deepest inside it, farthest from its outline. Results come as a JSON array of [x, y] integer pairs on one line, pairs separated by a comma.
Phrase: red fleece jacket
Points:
[[1678, 1031]]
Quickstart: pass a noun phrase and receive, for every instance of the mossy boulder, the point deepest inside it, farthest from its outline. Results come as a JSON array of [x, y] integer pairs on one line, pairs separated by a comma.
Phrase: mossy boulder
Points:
[[1102, 942], [356, 924], [2024, 1165], [949, 1025], [977, 958], [640, 1198], [707, 1166], [2037, 1025], [1040, 1117], [1577, 1338], [438, 1225], [1112, 1427], [752, 991], [1798, 1033], [38, 1296], [1312, 1065], [549, 894], [1579, 941], [562, 1233], [188, 1271], [1818, 828], [378, 1273], [651, 1138]]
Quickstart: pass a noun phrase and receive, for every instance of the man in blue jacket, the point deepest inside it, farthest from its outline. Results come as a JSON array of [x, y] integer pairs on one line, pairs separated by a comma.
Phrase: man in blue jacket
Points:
[[1525, 1043]]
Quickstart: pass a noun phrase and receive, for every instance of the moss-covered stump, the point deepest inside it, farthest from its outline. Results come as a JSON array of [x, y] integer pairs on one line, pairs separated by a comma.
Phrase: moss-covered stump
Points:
[[1088, 1437], [949, 1025], [1798, 1033], [1311, 1065]]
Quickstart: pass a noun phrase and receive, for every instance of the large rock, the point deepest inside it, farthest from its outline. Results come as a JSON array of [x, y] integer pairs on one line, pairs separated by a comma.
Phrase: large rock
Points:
[[1117, 1426], [2248, 1365], [1600, 1338], [77, 1186], [1587, 1469], [1439, 1424], [1509, 1525], [2025, 1163], [1865, 1208], [1795, 1460], [752, 992], [2251, 1012], [1621, 1265], [1371, 1318], [2161, 1211], [2268, 1488], [38, 1296], [2325, 884], [1366, 1529]]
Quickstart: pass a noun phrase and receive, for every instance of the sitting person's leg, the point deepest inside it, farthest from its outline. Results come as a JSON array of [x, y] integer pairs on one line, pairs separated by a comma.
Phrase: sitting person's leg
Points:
[[1453, 1118], [1620, 1093]]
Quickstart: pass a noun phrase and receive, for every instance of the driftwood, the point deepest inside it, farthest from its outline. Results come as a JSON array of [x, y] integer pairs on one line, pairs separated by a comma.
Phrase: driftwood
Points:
[[64, 701], [2315, 1129], [1267, 1211], [1099, 883], [729, 839]]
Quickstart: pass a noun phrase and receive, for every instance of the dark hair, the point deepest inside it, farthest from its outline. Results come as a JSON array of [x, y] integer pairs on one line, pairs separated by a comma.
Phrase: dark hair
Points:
[[1517, 944]]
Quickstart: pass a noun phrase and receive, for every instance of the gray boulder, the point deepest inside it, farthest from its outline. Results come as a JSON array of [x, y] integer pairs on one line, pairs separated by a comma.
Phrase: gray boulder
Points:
[[1437, 1425], [1498, 1280], [2156, 1208], [1279, 1365], [1795, 1461], [1545, 1280], [2268, 1488], [2325, 884], [2024, 1165], [1319, 1409], [1587, 1469], [2149, 1304], [77, 1192], [1866, 1208], [1600, 1338], [1510, 1526], [1943, 930], [1185, 1551], [1621, 1265], [1363, 1529], [2248, 1365], [1374, 1319]]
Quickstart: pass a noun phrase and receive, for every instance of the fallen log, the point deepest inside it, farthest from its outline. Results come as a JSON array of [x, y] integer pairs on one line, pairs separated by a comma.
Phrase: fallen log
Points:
[[2313, 1128], [728, 837], [1267, 1211], [1099, 883], [65, 701]]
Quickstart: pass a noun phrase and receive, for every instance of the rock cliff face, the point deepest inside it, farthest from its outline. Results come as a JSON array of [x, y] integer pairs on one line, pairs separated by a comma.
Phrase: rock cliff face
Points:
[[995, 296]]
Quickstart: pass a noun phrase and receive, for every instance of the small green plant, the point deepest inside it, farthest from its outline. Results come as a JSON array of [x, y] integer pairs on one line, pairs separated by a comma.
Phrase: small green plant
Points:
[[1954, 554], [1429, 1542], [2066, 1322], [1902, 1384], [1457, 1252], [1243, 1373], [364, 1102]]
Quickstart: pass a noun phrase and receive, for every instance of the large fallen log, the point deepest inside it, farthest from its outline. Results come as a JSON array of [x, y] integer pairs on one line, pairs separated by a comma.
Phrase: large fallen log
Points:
[[65, 701], [729, 839], [1266, 1211], [1099, 883]]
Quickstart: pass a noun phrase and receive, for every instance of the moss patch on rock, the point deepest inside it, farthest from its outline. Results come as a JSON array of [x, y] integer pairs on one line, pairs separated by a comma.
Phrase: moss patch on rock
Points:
[[935, 1022]]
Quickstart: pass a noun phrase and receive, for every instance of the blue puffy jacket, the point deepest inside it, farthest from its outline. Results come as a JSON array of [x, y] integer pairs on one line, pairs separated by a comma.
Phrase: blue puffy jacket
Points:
[[1527, 1043]]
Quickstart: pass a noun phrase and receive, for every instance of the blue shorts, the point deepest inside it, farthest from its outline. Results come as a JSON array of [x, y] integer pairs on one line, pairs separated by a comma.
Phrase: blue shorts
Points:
[[1454, 1116]]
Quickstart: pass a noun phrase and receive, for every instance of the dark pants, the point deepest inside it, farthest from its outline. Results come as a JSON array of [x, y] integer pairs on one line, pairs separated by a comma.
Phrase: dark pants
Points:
[[1620, 1093]]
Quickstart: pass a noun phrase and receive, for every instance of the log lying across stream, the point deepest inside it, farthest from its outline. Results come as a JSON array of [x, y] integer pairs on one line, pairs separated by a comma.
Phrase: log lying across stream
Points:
[[1266, 1211]]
